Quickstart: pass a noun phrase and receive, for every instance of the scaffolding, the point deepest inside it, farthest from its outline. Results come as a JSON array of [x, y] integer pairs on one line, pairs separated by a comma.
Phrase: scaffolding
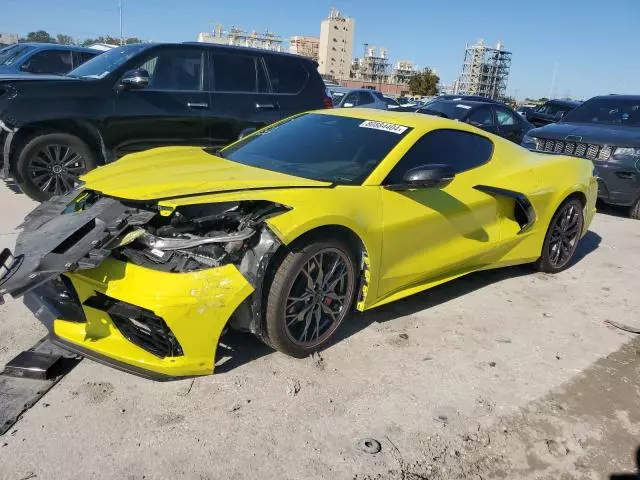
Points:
[[239, 37], [372, 67], [403, 71], [485, 71]]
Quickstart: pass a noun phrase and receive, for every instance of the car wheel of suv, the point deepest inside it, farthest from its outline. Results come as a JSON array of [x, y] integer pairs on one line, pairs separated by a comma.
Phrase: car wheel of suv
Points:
[[563, 236], [312, 291], [635, 211], [49, 164]]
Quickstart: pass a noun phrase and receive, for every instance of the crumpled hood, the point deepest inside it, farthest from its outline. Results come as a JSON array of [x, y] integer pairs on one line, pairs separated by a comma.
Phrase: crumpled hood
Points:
[[590, 133], [178, 171]]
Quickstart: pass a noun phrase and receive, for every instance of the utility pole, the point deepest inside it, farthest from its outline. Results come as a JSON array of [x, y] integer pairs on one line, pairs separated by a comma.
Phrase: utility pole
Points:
[[553, 81], [120, 9]]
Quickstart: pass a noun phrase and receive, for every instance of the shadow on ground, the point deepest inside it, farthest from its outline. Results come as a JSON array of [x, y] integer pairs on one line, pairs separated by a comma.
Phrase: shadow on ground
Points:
[[241, 348], [612, 210], [13, 186]]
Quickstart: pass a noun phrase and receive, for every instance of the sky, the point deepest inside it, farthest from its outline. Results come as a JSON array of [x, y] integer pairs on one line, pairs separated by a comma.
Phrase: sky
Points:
[[592, 45]]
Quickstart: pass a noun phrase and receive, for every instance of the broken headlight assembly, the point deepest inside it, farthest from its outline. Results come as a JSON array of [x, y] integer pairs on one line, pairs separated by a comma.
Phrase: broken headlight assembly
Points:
[[196, 237]]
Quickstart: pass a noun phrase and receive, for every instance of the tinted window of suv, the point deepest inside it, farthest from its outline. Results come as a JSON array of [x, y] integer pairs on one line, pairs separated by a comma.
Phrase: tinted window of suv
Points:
[[51, 61], [238, 73], [80, 57], [365, 98], [462, 150], [287, 74], [175, 70]]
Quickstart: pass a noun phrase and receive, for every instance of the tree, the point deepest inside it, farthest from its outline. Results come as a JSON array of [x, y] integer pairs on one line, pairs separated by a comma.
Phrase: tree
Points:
[[424, 83], [40, 36], [543, 99], [64, 39], [109, 40]]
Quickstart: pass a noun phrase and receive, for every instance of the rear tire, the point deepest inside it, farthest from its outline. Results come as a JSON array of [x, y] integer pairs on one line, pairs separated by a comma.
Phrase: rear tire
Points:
[[311, 293], [634, 212], [562, 238], [50, 163]]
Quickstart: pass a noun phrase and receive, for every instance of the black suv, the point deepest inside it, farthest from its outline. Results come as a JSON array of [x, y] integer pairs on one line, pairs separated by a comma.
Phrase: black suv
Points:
[[55, 128], [605, 130], [550, 112]]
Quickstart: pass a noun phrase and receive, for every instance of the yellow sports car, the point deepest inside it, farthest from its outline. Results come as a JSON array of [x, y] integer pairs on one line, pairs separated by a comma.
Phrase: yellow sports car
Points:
[[284, 232]]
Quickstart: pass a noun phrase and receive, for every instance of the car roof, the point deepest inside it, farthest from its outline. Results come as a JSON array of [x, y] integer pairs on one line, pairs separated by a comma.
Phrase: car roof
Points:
[[470, 103], [56, 46], [216, 46], [348, 89], [571, 103], [615, 95]]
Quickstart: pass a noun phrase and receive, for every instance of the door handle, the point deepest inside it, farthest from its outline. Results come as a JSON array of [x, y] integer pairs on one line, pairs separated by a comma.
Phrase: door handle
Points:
[[197, 105], [266, 106]]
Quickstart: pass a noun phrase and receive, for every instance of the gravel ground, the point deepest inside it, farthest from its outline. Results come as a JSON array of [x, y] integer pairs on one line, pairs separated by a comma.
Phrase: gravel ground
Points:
[[502, 374]]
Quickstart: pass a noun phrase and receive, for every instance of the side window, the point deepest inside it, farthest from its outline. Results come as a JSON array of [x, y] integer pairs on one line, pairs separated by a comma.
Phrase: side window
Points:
[[80, 57], [364, 98], [238, 73], [481, 117], [505, 117], [52, 61], [462, 150], [287, 75], [175, 70], [352, 98]]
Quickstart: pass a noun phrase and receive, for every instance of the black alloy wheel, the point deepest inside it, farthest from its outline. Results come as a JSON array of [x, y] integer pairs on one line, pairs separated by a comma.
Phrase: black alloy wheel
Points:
[[312, 291], [317, 301], [50, 163], [563, 237], [55, 168]]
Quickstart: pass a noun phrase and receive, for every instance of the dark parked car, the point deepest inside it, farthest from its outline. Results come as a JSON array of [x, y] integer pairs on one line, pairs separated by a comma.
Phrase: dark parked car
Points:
[[550, 112], [43, 58], [605, 130], [492, 117], [345, 97], [54, 129], [476, 98]]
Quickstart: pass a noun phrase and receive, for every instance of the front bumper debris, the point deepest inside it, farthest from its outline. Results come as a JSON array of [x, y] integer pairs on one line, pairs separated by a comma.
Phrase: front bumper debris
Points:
[[54, 242], [193, 307], [82, 275]]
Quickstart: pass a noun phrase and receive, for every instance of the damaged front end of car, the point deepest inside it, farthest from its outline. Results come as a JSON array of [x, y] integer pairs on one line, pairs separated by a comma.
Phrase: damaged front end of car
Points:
[[139, 286]]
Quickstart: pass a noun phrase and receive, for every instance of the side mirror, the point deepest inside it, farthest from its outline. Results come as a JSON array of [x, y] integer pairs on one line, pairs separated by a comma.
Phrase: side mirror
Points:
[[135, 79], [347, 105], [560, 115], [426, 176]]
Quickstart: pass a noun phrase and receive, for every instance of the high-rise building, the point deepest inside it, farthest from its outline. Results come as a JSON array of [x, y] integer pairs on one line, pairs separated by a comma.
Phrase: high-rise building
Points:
[[336, 45], [305, 46], [372, 67], [485, 71], [8, 38], [239, 37]]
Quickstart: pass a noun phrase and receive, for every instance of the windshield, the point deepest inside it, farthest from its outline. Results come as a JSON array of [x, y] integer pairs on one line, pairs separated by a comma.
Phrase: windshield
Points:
[[554, 109], [107, 62], [390, 102], [328, 148], [608, 111], [446, 109], [9, 55]]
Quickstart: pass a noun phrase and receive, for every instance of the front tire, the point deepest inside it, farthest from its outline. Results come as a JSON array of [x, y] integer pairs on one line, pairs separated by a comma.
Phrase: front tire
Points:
[[49, 164], [634, 212], [562, 238], [311, 293]]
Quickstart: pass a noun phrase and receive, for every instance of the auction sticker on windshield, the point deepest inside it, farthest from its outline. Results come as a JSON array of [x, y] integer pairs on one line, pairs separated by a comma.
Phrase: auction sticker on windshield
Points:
[[384, 126]]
